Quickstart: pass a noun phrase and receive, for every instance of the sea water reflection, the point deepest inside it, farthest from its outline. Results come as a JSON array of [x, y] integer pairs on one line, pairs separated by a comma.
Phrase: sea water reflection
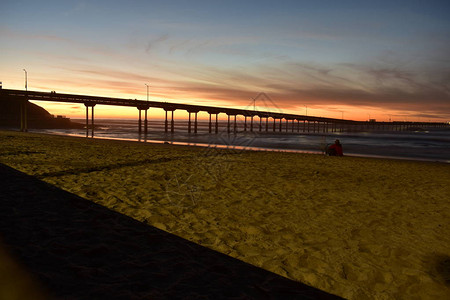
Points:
[[430, 145]]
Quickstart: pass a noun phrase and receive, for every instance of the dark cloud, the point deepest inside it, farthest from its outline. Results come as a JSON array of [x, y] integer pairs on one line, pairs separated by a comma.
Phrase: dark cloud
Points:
[[294, 85], [427, 101]]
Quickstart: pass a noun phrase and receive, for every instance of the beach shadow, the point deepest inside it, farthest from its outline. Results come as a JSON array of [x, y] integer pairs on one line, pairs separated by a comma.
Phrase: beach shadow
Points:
[[107, 167], [441, 268], [80, 250]]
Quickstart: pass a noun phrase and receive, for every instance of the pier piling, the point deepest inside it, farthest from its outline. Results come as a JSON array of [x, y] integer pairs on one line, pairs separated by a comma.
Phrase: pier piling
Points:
[[91, 105], [195, 123], [217, 124], [172, 124]]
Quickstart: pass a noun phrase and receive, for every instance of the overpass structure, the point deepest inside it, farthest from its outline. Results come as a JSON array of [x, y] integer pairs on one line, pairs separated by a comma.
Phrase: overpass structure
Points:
[[280, 122]]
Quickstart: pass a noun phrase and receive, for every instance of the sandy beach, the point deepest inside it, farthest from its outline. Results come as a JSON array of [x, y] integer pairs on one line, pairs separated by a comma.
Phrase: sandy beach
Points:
[[358, 228]]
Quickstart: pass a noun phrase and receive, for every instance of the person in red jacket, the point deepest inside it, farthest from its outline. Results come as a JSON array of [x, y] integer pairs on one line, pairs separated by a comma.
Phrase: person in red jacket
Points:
[[335, 149]]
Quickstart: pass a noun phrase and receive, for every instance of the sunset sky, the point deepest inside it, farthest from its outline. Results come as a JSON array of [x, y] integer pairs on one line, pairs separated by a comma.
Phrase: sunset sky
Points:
[[357, 59]]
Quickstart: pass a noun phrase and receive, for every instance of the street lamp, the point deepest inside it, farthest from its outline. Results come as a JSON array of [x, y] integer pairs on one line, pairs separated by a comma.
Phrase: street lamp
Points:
[[26, 80], [147, 90]]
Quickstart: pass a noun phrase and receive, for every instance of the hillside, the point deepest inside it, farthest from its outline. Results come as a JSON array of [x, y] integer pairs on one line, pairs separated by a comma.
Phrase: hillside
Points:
[[38, 117]]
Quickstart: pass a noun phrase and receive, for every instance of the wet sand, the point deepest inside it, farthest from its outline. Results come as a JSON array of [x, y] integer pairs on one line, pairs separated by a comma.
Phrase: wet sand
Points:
[[358, 228]]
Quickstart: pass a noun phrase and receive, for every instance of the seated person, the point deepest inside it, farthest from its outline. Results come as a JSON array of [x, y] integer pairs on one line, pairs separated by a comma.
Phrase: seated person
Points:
[[335, 149]]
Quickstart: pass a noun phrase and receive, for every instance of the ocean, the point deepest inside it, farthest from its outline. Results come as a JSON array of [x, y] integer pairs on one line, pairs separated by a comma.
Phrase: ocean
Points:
[[424, 145]]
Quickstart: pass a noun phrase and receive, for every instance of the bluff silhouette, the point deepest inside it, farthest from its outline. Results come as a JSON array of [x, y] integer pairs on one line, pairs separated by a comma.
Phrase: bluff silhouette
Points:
[[37, 116]]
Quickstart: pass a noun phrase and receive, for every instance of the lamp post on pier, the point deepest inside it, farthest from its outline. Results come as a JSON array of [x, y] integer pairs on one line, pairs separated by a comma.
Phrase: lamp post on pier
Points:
[[26, 80], [147, 90]]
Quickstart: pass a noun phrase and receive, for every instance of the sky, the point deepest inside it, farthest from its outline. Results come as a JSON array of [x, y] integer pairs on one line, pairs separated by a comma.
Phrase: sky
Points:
[[385, 60]]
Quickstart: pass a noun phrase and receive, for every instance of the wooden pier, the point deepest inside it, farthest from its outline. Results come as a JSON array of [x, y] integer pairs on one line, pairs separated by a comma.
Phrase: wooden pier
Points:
[[282, 122]]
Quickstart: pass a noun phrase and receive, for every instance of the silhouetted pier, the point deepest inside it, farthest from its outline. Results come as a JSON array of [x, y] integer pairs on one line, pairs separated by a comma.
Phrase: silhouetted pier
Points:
[[279, 122]]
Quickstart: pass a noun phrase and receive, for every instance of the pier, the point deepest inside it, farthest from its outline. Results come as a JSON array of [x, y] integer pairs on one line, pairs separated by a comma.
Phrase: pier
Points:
[[268, 121]]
